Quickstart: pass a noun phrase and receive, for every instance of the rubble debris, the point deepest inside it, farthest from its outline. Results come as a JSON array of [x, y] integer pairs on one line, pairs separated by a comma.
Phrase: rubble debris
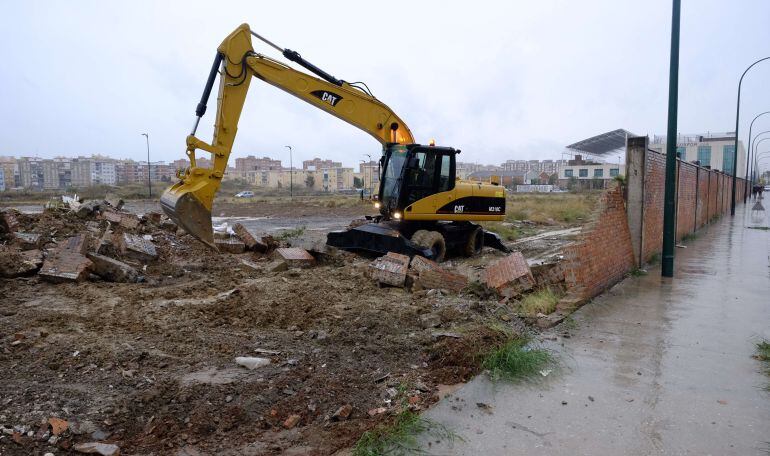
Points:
[[86, 209], [153, 217], [113, 270], [230, 245], [8, 221], [67, 263], [252, 362], [114, 201], [248, 239], [343, 412], [104, 449], [430, 275], [291, 421], [389, 269], [278, 266], [296, 257], [127, 221], [168, 225], [136, 248], [58, 425], [18, 264], [27, 241], [510, 276]]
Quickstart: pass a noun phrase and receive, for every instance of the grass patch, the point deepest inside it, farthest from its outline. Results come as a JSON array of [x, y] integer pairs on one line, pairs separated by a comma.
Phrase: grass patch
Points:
[[514, 360], [504, 230], [543, 301], [637, 272], [763, 351], [763, 228], [546, 208], [400, 436], [654, 259], [689, 237], [292, 233]]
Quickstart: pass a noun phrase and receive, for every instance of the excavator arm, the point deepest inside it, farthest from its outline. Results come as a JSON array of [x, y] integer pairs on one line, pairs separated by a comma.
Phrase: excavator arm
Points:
[[189, 201]]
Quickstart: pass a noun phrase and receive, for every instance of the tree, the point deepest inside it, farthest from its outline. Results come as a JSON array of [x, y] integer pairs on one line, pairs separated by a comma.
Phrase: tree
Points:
[[553, 179], [357, 182], [310, 181]]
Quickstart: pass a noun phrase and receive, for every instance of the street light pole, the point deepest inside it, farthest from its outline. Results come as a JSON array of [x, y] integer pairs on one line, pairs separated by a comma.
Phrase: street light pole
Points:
[[149, 179], [753, 147], [748, 156], [291, 174], [737, 118], [669, 207]]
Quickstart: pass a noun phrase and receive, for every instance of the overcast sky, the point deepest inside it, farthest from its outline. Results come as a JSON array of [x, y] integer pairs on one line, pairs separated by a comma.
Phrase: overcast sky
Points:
[[499, 80]]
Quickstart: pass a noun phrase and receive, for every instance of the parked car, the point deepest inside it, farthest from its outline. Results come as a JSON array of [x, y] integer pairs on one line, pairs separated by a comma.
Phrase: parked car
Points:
[[246, 194]]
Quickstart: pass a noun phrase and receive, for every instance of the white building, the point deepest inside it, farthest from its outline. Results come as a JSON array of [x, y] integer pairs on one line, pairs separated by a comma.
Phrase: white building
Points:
[[104, 172], [713, 150], [587, 173]]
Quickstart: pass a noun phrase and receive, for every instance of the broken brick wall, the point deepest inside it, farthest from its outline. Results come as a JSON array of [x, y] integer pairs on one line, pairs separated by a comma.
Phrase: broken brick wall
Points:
[[602, 255]]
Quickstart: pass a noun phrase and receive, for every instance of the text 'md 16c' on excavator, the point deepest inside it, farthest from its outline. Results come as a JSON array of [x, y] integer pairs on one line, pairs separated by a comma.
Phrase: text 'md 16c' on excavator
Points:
[[424, 209]]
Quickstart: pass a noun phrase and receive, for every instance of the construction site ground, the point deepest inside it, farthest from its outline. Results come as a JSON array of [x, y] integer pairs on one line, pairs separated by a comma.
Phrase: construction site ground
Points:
[[151, 366]]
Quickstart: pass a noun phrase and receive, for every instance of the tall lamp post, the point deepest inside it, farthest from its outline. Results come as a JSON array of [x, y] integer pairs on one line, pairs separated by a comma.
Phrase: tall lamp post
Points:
[[757, 159], [149, 179], [669, 207], [748, 156], [737, 118], [291, 174], [753, 147]]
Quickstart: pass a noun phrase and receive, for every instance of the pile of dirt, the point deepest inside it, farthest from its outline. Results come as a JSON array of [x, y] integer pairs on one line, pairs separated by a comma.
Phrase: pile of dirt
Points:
[[151, 366]]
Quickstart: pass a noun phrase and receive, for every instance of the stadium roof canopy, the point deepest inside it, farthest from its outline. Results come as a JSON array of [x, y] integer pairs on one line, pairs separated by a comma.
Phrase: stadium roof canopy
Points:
[[602, 144]]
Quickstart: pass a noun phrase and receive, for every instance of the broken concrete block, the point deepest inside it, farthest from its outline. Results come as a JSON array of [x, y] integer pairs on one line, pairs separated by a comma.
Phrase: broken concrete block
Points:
[[65, 264], [390, 269], [86, 209], [278, 266], [251, 242], [112, 269], [230, 245], [510, 275], [27, 241], [153, 217], [168, 225], [128, 221], [103, 449], [8, 221], [420, 264], [77, 244], [18, 264], [136, 247], [114, 200], [296, 257]]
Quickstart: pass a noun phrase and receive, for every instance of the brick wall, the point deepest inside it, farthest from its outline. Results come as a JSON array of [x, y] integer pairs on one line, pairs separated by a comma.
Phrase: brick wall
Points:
[[702, 195], [686, 202], [602, 255]]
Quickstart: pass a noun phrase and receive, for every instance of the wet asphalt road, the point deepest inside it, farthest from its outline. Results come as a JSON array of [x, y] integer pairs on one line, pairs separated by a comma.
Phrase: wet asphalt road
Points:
[[668, 364]]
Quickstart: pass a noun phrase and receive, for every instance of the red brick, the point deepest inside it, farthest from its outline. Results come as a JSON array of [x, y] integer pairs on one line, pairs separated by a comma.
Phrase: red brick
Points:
[[390, 269], [249, 240], [230, 245], [430, 275], [509, 275], [8, 221], [296, 257]]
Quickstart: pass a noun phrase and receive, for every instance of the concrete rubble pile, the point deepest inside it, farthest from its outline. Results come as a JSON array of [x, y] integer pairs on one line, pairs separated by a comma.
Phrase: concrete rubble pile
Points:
[[73, 241]]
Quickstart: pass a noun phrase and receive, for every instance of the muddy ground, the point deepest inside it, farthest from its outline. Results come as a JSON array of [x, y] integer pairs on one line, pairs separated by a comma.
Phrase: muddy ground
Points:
[[150, 366]]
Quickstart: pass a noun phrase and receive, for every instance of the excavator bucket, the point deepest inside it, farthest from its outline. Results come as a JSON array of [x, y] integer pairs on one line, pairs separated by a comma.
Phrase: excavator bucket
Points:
[[181, 203]]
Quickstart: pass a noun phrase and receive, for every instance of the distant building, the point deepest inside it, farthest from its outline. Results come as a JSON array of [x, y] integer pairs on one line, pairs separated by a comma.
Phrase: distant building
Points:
[[507, 178], [589, 174], [252, 163], [316, 164], [712, 150], [548, 166]]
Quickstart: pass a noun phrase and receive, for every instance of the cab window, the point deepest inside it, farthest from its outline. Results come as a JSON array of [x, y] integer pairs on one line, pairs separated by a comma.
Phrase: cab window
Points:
[[445, 177]]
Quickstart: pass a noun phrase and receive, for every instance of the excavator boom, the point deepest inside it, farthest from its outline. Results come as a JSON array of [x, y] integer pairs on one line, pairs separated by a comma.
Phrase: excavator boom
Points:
[[189, 201]]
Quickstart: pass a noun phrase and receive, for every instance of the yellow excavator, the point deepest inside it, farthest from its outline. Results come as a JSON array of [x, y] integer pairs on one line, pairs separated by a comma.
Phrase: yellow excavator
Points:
[[424, 209]]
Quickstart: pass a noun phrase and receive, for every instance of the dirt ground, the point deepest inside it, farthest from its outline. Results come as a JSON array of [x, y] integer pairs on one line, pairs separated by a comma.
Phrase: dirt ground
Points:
[[150, 366]]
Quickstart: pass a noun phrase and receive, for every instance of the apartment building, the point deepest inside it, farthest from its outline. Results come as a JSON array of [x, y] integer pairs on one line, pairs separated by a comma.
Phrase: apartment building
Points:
[[710, 150], [317, 163], [548, 166], [252, 163]]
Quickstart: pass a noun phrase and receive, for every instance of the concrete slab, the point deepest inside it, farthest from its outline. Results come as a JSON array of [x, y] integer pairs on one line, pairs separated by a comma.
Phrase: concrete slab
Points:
[[390, 269], [136, 248], [27, 241], [112, 270], [230, 245]]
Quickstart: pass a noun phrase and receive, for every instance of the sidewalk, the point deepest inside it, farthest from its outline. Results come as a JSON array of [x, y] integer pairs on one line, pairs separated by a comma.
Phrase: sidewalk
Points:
[[655, 366]]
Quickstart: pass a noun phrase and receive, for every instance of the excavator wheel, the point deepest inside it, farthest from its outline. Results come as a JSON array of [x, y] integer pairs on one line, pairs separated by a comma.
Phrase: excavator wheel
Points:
[[475, 242], [431, 240]]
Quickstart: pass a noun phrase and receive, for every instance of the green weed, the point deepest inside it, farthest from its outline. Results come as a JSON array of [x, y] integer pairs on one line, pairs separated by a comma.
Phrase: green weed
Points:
[[400, 436], [514, 360], [543, 301], [292, 233]]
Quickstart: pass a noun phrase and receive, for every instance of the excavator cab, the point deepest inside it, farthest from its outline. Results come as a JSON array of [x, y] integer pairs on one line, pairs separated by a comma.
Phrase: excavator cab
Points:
[[412, 173]]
